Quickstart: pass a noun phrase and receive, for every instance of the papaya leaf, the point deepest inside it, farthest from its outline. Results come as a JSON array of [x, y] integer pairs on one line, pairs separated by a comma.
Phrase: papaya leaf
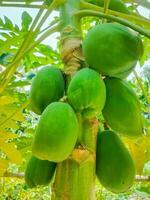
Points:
[[10, 115], [7, 135], [8, 23], [138, 149], [20, 83], [5, 58], [11, 152], [4, 100], [26, 20], [45, 55], [3, 166], [11, 35], [146, 43]]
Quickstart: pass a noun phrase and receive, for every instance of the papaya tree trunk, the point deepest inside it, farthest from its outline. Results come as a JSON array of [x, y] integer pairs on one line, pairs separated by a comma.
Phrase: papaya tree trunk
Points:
[[75, 177]]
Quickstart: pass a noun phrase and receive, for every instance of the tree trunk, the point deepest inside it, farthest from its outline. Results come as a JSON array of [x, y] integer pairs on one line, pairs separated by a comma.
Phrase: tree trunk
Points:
[[75, 177]]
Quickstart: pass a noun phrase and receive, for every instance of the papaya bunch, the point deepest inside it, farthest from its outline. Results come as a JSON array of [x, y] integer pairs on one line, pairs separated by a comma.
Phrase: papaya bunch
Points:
[[113, 50], [58, 129], [54, 137]]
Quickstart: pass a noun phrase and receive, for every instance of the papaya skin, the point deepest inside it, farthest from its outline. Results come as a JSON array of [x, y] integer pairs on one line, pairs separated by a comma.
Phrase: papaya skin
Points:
[[112, 48], [125, 74], [122, 108], [87, 93], [56, 133], [114, 165], [39, 172], [47, 86]]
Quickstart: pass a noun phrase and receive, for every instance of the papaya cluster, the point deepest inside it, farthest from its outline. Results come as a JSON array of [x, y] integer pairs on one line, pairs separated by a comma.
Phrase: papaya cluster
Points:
[[111, 51]]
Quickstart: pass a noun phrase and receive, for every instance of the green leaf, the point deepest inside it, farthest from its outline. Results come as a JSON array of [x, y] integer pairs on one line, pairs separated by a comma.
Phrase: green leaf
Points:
[[3, 166], [7, 135], [8, 23], [26, 20], [10, 150]]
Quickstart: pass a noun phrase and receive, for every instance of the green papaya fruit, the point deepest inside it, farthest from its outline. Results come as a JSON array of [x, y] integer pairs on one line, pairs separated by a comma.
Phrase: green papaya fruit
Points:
[[39, 172], [86, 92], [125, 74], [122, 108], [114, 165], [47, 86], [56, 133], [112, 48], [116, 5]]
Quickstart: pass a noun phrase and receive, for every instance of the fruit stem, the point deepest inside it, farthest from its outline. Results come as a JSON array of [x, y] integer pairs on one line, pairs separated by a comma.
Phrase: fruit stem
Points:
[[106, 6], [85, 13]]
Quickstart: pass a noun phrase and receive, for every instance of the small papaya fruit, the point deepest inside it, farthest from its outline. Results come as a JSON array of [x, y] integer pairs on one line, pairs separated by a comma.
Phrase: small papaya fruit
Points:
[[115, 168], [112, 48], [56, 133], [39, 172], [122, 108], [47, 86], [86, 92]]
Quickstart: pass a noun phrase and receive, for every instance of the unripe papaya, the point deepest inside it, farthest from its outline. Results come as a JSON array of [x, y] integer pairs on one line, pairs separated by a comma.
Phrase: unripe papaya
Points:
[[86, 92], [47, 87], [122, 108], [56, 133], [114, 165], [125, 74], [112, 48], [39, 172], [116, 5]]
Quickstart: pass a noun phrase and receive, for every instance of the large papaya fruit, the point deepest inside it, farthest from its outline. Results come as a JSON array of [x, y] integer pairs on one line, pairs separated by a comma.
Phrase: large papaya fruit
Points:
[[56, 133], [114, 165], [122, 108], [86, 92], [117, 5], [39, 172], [112, 48], [124, 74], [47, 87]]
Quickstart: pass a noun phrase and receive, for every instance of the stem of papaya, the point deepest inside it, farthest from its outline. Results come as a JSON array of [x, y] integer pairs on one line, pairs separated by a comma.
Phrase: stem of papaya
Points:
[[70, 37], [75, 177], [106, 6]]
